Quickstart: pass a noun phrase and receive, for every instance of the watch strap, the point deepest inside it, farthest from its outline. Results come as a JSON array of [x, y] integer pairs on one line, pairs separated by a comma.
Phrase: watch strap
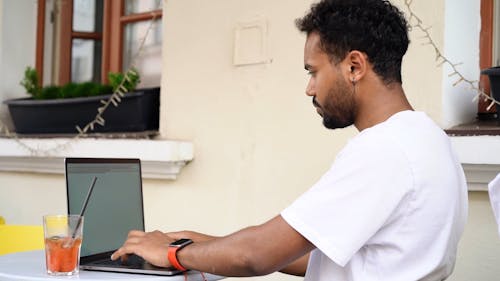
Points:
[[172, 256]]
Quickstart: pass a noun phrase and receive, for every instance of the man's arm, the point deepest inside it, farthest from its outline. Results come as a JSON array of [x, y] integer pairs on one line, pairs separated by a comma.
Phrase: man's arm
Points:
[[253, 251], [298, 267]]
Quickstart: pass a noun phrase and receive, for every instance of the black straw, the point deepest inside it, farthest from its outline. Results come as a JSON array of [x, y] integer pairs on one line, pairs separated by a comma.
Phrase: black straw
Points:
[[84, 207]]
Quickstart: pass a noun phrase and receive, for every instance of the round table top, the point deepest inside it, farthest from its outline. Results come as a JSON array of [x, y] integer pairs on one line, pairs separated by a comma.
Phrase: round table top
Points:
[[31, 266]]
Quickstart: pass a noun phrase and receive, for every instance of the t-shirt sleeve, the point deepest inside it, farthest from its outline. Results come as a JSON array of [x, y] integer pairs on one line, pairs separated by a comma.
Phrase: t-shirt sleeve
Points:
[[353, 200]]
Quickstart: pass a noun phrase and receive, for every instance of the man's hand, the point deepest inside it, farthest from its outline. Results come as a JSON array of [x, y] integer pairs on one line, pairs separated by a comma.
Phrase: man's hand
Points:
[[152, 246]]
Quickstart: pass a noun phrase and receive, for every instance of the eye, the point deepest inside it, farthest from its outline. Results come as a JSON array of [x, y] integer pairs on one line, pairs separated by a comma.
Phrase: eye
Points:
[[311, 73]]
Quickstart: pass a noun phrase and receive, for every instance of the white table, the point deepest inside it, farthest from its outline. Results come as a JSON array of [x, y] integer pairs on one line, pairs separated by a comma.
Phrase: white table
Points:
[[30, 266]]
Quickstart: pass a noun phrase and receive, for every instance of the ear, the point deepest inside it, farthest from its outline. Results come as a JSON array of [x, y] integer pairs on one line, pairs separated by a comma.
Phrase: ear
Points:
[[357, 63]]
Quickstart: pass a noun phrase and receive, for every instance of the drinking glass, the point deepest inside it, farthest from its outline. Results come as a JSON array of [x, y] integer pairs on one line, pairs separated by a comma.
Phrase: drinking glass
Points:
[[63, 240]]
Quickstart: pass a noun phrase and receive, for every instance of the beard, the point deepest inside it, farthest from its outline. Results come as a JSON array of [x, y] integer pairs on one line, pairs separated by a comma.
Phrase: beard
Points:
[[339, 108]]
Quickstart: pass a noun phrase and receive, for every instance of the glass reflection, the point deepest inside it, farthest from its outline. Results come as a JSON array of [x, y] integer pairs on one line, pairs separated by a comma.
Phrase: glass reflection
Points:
[[85, 60], [87, 15], [149, 62], [141, 6]]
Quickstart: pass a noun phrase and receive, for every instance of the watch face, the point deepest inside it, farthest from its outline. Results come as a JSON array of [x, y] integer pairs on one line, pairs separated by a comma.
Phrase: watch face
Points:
[[181, 242]]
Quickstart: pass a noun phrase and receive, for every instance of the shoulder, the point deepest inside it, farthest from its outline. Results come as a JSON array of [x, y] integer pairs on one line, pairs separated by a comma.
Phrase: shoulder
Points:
[[405, 133]]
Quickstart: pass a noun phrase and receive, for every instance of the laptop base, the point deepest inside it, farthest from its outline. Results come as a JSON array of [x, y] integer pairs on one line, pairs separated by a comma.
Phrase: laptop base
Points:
[[134, 264]]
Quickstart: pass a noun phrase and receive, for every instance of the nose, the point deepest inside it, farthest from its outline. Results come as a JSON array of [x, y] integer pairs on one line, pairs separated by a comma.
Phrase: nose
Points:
[[310, 88]]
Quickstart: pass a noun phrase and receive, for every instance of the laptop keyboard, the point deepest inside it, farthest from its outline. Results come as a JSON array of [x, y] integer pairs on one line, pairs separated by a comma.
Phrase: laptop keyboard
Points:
[[133, 261]]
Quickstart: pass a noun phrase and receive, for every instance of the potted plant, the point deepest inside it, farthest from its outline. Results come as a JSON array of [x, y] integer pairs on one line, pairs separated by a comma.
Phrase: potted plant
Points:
[[76, 107]]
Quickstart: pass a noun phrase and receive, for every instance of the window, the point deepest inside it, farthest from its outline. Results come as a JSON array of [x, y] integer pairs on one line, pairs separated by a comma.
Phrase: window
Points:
[[83, 40], [86, 41]]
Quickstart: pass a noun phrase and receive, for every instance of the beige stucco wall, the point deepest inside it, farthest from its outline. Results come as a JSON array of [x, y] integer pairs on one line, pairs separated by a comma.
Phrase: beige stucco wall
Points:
[[258, 141], [421, 78], [17, 48], [479, 250]]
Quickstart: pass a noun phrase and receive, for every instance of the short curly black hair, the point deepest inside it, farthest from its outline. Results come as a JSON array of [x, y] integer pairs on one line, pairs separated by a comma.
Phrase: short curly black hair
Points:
[[375, 27]]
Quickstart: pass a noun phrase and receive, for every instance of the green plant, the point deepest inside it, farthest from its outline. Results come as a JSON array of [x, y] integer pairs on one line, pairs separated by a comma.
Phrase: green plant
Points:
[[130, 79], [86, 89], [30, 82], [49, 92], [73, 90]]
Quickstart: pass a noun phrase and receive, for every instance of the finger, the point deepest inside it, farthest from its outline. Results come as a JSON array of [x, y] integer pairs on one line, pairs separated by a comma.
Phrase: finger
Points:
[[128, 246], [124, 250], [124, 258], [117, 254]]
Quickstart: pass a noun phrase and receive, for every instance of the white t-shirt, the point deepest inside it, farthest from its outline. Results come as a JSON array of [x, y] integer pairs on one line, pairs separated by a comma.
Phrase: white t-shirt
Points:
[[392, 206]]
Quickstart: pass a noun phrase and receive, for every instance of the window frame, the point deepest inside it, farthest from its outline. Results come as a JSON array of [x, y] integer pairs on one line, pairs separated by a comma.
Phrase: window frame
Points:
[[496, 36], [486, 38], [114, 22]]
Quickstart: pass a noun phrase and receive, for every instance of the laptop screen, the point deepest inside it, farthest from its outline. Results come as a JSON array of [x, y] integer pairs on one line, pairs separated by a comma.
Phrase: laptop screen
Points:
[[115, 206]]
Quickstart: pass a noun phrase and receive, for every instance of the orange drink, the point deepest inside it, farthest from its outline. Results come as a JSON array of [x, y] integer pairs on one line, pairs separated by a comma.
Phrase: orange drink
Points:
[[62, 254], [63, 239]]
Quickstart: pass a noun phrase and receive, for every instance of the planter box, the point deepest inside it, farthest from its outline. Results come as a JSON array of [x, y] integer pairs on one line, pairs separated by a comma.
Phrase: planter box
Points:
[[494, 77], [138, 111]]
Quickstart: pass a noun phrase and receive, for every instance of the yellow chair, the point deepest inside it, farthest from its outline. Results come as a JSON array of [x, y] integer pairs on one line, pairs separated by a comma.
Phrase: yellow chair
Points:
[[18, 238]]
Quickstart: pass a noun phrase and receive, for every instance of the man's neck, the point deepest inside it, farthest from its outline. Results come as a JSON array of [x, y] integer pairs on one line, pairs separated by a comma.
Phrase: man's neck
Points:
[[377, 102]]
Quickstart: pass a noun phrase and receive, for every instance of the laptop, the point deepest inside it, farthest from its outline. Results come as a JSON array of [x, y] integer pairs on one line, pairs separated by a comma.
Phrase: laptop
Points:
[[115, 207]]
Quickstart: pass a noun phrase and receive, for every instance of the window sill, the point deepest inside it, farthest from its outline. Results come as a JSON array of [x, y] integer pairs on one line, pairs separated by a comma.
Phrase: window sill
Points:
[[478, 128], [479, 157], [161, 159]]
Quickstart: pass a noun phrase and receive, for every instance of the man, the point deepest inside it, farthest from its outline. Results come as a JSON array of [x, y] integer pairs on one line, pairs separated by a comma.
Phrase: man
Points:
[[394, 203]]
